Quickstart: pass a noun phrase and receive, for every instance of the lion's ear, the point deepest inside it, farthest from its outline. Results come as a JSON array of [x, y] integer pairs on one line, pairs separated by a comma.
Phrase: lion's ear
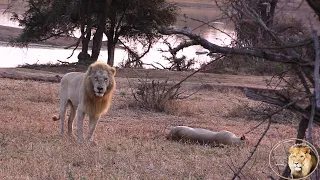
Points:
[[242, 137], [291, 150], [89, 69], [113, 70], [308, 150]]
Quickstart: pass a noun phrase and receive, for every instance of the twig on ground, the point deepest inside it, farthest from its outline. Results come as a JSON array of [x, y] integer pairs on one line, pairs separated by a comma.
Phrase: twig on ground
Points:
[[253, 150], [269, 116]]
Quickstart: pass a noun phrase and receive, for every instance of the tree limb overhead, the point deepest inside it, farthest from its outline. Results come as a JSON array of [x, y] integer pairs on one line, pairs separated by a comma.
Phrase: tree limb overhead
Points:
[[213, 48]]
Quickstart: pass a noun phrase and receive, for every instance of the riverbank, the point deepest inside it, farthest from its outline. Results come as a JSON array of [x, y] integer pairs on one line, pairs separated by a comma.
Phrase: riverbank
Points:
[[8, 33]]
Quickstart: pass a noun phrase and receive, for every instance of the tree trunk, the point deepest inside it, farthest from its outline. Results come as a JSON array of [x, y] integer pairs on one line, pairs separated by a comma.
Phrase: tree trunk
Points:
[[267, 14], [303, 125], [83, 55], [315, 5], [112, 38], [97, 41], [86, 12], [111, 50], [85, 42]]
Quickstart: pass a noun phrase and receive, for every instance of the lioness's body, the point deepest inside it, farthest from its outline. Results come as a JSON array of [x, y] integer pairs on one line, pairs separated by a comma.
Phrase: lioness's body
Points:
[[301, 161], [188, 134], [87, 93]]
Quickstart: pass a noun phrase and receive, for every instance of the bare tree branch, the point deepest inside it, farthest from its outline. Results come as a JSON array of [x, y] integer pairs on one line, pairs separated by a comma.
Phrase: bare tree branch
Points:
[[182, 46], [213, 48]]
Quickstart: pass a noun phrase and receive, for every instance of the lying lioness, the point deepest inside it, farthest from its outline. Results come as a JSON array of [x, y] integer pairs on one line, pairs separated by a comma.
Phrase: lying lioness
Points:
[[204, 136]]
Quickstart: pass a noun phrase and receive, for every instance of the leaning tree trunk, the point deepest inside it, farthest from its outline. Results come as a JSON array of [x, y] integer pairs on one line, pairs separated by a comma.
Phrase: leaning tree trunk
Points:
[[111, 50], [86, 12], [303, 125], [96, 47], [315, 5], [83, 55], [97, 39], [112, 36]]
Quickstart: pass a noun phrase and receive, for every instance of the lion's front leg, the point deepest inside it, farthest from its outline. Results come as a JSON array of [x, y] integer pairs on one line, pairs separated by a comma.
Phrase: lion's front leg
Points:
[[93, 120], [79, 125]]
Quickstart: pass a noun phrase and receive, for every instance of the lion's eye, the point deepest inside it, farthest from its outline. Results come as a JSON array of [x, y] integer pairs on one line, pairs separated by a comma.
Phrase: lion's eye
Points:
[[96, 79], [105, 79]]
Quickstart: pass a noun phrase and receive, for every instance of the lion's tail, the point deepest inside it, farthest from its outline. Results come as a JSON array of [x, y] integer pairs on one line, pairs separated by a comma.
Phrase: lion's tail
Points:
[[243, 137], [55, 118]]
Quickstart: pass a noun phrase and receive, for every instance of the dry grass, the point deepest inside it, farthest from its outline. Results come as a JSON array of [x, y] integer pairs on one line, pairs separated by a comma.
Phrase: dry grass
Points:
[[131, 141]]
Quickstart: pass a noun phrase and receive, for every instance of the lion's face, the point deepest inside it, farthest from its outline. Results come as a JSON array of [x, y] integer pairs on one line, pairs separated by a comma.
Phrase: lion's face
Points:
[[299, 156], [100, 80]]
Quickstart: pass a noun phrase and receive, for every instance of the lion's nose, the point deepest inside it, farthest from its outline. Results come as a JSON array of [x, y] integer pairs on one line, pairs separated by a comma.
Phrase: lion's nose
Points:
[[99, 88]]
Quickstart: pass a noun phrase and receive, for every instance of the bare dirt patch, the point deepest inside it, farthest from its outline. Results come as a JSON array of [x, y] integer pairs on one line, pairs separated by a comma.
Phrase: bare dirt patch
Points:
[[131, 141]]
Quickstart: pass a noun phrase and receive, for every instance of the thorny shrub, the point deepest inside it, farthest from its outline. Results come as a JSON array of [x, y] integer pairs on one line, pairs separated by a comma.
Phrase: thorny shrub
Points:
[[155, 95]]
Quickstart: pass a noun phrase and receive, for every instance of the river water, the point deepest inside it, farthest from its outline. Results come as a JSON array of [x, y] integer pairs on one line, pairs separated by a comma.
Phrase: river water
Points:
[[203, 11], [15, 56]]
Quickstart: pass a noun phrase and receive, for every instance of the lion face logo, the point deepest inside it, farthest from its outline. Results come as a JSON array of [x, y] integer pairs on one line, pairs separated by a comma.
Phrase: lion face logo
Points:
[[300, 161]]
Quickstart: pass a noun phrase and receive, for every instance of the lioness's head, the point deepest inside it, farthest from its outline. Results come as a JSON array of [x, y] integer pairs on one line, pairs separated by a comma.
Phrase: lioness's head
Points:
[[101, 76], [299, 156]]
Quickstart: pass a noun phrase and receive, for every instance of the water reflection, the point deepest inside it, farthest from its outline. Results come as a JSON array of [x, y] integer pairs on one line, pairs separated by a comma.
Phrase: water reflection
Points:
[[41, 55], [38, 54]]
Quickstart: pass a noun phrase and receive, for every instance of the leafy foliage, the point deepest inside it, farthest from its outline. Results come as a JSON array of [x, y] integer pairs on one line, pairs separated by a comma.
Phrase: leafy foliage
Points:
[[137, 18], [115, 18], [45, 19]]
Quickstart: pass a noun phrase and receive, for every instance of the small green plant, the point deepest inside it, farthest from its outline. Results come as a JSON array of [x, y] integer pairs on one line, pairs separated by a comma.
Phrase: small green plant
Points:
[[122, 94], [69, 172]]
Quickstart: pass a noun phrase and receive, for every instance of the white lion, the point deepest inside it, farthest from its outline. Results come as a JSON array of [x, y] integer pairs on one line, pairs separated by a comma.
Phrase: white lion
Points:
[[204, 136], [87, 93]]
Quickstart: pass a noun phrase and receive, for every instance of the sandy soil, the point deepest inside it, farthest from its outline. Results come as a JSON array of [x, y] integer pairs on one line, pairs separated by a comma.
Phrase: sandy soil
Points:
[[130, 140], [225, 80]]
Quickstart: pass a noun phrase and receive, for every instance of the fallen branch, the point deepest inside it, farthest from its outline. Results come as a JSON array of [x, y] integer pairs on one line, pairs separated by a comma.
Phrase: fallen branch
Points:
[[288, 104], [35, 77]]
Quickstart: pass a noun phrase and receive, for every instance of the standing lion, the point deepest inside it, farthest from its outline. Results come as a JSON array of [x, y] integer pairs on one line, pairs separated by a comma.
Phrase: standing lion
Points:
[[86, 93]]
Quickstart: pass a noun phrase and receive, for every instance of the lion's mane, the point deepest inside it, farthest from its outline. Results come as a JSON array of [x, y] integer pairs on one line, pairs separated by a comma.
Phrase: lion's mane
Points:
[[94, 105]]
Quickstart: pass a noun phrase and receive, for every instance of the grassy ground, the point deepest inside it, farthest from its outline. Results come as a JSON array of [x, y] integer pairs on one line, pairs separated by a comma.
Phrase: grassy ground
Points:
[[131, 142]]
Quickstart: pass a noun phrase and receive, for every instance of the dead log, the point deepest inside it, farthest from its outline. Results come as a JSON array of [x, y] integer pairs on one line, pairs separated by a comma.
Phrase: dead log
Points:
[[21, 75], [289, 104]]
